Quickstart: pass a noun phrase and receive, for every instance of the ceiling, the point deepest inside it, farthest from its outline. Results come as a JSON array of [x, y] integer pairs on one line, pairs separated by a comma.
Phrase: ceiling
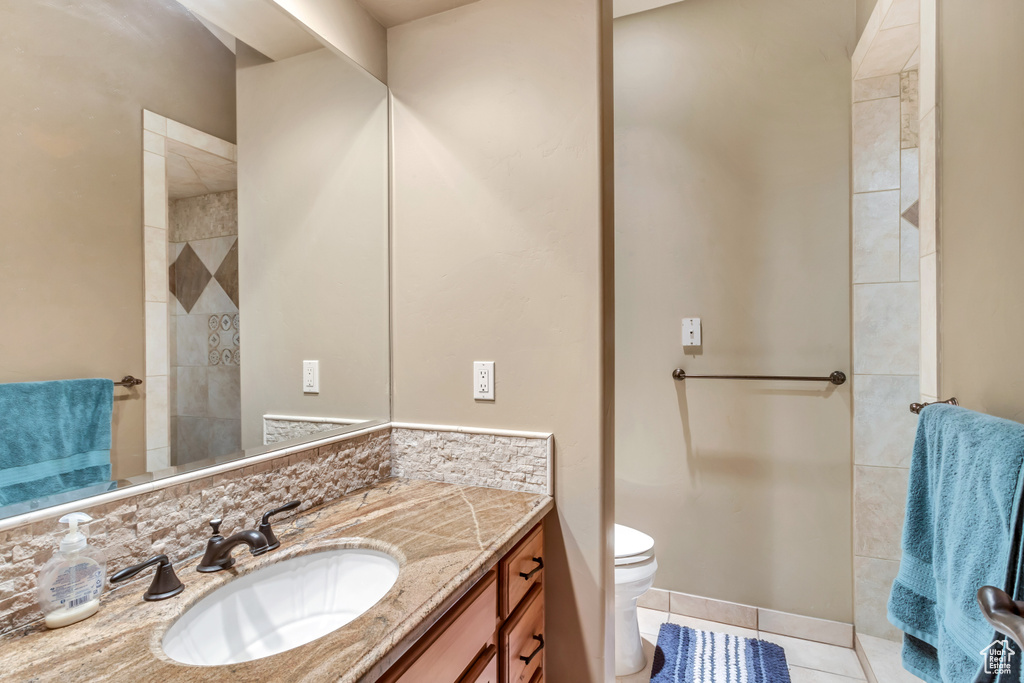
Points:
[[192, 172], [261, 25], [621, 8], [394, 12]]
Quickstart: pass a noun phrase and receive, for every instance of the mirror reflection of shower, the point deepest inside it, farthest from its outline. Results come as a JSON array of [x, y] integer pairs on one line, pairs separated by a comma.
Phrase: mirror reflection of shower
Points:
[[203, 320]]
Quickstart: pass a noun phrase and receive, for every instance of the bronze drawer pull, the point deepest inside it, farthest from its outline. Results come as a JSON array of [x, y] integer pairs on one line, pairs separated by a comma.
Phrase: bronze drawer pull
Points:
[[540, 565], [533, 654]]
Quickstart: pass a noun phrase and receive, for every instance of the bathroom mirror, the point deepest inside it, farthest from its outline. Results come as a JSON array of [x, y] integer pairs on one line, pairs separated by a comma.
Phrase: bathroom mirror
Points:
[[195, 196]]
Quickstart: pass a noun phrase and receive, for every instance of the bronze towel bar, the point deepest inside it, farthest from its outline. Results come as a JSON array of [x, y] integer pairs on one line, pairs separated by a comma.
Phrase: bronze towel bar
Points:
[[916, 408], [836, 377], [128, 381]]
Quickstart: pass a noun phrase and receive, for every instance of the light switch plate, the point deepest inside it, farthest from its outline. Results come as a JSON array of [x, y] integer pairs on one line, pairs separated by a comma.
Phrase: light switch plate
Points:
[[483, 380], [311, 377], [691, 331]]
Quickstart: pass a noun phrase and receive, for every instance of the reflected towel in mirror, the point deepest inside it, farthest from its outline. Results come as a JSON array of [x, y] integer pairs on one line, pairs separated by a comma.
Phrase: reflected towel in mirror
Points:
[[54, 437]]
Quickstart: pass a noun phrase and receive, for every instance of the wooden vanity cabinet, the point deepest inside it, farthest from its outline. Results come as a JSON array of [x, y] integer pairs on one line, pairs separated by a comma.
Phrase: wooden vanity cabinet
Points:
[[521, 569], [485, 669], [521, 639], [494, 634], [453, 645]]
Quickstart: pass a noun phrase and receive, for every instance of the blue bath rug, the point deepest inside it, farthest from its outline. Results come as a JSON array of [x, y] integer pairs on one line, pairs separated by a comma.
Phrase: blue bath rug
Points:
[[685, 655]]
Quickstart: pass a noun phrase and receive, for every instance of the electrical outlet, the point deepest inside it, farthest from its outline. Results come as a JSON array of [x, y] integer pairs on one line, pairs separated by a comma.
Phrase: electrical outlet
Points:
[[311, 377], [691, 331], [483, 380]]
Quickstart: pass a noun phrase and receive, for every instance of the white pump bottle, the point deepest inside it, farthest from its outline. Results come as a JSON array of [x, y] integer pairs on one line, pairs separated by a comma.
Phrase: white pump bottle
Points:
[[71, 582]]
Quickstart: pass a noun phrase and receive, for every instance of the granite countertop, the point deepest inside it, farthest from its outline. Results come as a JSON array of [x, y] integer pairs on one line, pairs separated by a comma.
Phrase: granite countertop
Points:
[[444, 536]]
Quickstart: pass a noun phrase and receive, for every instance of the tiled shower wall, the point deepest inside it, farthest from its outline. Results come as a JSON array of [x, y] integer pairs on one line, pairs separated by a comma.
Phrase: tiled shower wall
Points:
[[886, 300], [166, 144], [204, 327]]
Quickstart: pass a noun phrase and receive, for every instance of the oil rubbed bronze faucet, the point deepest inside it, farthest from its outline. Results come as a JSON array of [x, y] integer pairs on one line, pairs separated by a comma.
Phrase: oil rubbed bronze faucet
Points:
[[268, 531], [218, 548], [165, 581]]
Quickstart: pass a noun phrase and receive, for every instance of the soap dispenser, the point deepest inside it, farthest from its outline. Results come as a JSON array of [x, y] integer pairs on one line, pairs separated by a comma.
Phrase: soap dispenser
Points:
[[71, 582]]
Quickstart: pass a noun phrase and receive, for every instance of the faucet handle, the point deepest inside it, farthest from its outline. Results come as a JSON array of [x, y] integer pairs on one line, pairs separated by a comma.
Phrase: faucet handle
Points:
[[215, 525], [166, 583], [266, 530]]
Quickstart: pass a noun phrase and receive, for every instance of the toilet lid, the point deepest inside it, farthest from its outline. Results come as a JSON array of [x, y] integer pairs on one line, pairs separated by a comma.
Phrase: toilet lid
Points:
[[630, 542]]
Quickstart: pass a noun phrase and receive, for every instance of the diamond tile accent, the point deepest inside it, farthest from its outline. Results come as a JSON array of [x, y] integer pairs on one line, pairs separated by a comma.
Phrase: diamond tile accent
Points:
[[227, 273], [912, 215], [188, 278], [212, 251]]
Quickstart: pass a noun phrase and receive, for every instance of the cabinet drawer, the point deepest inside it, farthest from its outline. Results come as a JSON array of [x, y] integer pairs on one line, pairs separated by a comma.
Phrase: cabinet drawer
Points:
[[455, 642], [522, 569], [522, 639], [485, 670]]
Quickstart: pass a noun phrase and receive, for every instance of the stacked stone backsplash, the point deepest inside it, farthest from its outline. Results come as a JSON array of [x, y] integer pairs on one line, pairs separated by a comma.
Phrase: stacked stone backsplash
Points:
[[513, 463], [277, 429], [174, 520]]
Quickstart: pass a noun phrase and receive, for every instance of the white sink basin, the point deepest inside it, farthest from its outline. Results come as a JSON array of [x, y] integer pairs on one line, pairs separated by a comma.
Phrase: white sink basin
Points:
[[280, 607]]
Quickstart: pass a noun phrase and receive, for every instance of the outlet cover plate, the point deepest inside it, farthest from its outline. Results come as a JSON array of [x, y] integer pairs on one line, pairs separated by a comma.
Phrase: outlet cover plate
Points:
[[691, 332], [483, 380], [311, 377]]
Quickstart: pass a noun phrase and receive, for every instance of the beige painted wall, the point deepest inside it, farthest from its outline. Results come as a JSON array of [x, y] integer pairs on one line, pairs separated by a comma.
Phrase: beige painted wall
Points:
[[497, 247], [981, 205], [75, 78], [313, 239], [732, 128]]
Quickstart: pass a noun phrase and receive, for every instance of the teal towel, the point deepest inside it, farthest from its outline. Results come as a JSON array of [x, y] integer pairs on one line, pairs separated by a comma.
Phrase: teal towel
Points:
[[960, 533], [54, 437]]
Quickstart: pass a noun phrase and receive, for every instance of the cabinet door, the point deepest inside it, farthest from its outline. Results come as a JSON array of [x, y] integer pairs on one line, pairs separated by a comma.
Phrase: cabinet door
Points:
[[485, 670], [522, 639], [453, 645], [521, 570]]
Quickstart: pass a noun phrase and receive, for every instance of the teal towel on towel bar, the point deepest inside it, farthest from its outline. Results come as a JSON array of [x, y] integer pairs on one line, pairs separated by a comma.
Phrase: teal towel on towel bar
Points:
[[960, 533], [54, 437]]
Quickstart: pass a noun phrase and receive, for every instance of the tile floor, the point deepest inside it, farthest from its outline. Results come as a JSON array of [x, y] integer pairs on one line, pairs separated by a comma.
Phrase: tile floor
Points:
[[809, 662], [885, 658]]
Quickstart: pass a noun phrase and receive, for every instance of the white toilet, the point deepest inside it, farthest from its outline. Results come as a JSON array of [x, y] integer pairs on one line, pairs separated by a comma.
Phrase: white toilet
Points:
[[635, 566]]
